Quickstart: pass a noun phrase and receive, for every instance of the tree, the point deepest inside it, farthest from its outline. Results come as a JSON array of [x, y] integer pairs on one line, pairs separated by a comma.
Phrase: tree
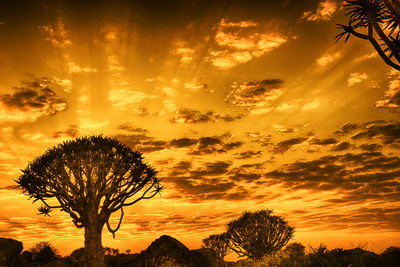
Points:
[[256, 234], [90, 178], [377, 21], [219, 243]]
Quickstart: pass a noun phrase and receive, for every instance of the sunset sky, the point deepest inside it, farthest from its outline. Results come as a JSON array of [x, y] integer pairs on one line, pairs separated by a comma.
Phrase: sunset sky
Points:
[[240, 106]]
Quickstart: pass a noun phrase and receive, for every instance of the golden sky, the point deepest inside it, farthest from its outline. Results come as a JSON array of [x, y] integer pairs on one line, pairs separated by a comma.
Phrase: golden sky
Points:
[[240, 105]]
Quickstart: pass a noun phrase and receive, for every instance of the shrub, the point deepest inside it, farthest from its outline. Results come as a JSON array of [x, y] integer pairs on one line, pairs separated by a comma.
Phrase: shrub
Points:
[[44, 252], [257, 234], [219, 243]]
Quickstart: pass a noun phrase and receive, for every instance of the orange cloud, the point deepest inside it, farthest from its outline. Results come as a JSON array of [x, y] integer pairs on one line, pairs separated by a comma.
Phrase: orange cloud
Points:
[[240, 42], [356, 78], [57, 34], [324, 12]]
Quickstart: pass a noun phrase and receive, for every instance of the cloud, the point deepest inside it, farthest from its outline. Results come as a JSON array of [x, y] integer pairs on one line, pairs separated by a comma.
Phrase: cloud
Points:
[[324, 12], [89, 123], [355, 178], [130, 128], [356, 78], [71, 132], [122, 98], [285, 107], [195, 116], [183, 142], [255, 97], [370, 147], [195, 85], [248, 154], [65, 84], [285, 145], [283, 129], [240, 42], [185, 54], [57, 34], [32, 100], [323, 142], [347, 128], [205, 182], [388, 133], [391, 98], [311, 105], [366, 57], [341, 146], [327, 59], [74, 68]]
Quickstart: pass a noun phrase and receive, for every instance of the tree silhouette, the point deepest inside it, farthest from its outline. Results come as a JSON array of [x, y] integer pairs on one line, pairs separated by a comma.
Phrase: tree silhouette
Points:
[[90, 178], [378, 22], [219, 243], [256, 234]]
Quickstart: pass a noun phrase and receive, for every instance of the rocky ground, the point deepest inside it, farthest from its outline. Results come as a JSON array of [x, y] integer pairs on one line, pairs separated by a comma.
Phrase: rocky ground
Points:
[[166, 251]]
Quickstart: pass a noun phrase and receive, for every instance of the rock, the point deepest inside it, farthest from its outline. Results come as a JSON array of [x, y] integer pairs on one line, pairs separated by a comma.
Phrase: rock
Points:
[[9, 251], [164, 251], [205, 257], [390, 257]]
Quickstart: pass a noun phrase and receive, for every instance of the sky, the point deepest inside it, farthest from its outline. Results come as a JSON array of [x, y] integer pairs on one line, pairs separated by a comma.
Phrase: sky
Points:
[[239, 106]]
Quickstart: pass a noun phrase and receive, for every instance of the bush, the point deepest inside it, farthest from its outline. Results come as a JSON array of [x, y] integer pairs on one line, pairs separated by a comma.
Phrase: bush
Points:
[[257, 234], [44, 252], [218, 243]]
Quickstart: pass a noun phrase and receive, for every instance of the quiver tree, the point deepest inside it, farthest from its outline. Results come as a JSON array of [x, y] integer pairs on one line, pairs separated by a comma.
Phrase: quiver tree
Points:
[[218, 243], [378, 22], [256, 234], [90, 178]]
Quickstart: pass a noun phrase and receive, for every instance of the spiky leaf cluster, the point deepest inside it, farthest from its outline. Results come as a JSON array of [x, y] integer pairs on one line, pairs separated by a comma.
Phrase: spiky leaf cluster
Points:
[[256, 234], [378, 22]]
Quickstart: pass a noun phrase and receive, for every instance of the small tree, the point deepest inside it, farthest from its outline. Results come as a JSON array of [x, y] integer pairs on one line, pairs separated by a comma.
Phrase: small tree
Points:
[[90, 178], [219, 243], [256, 234], [378, 22], [43, 252]]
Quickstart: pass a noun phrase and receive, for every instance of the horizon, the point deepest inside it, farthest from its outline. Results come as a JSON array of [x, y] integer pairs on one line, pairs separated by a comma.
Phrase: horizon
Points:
[[239, 106]]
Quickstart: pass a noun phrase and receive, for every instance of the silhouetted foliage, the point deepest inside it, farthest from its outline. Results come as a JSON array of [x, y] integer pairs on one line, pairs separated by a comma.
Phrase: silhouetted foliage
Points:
[[256, 234], [90, 178], [378, 22], [43, 252], [219, 243]]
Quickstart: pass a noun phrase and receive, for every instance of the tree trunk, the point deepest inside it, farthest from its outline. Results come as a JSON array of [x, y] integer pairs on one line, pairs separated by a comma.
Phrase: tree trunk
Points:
[[93, 248]]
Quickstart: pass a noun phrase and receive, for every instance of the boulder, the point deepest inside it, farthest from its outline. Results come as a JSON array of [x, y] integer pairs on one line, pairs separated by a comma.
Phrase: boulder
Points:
[[390, 257], [164, 251], [9, 251]]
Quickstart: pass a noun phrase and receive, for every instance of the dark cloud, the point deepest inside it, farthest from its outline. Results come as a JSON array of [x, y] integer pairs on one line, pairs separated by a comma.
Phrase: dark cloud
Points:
[[142, 142], [347, 128], [33, 99], [323, 142], [389, 133], [71, 132], [132, 129], [195, 116], [183, 142], [210, 181], [214, 144], [252, 95], [248, 154], [285, 145], [359, 177], [370, 147], [364, 218], [341, 146]]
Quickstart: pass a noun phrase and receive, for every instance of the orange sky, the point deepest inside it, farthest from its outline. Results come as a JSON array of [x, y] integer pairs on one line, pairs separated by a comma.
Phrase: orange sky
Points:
[[239, 106]]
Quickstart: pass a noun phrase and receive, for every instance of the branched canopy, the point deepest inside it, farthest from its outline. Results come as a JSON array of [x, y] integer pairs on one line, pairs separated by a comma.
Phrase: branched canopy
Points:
[[219, 243], [256, 234], [378, 22], [90, 177]]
